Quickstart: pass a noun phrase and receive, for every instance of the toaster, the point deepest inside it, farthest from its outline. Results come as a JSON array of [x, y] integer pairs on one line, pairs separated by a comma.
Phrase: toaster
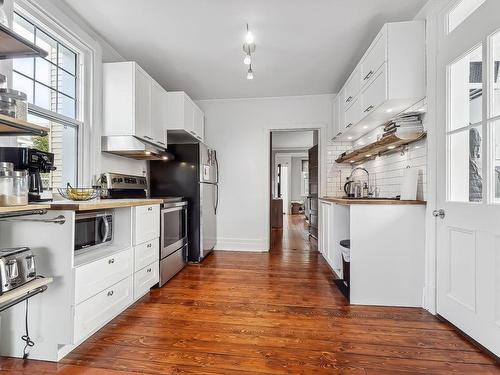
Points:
[[17, 267]]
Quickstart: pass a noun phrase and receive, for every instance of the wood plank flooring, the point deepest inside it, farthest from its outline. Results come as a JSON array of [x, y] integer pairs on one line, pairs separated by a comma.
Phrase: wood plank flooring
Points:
[[265, 313]]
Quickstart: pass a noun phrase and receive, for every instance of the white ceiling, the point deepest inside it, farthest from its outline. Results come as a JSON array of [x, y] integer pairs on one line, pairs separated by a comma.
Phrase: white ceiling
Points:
[[303, 46]]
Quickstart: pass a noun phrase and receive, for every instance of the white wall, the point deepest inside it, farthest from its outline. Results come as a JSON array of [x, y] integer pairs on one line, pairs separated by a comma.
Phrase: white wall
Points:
[[239, 130]]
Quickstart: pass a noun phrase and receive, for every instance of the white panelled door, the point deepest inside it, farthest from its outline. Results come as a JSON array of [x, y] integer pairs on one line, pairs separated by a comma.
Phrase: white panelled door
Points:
[[468, 229]]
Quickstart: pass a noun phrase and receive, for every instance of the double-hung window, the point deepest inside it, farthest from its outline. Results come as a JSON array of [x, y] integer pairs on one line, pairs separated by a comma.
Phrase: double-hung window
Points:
[[52, 85]]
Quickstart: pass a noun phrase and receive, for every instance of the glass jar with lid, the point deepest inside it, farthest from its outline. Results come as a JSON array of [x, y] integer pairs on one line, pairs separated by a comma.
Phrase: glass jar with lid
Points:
[[13, 103], [20, 188], [6, 183]]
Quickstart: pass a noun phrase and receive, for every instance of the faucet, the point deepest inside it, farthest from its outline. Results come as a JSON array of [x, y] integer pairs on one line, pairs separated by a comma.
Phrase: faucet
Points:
[[360, 169]]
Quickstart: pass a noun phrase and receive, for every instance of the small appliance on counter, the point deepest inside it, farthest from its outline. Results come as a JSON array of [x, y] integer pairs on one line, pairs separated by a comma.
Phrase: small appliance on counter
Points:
[[35, 162], [17, 267]]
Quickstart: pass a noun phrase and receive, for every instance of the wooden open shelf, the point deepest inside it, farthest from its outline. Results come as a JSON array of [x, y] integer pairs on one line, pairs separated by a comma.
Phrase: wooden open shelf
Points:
[[14, 126], [13, 45], [380, 146]]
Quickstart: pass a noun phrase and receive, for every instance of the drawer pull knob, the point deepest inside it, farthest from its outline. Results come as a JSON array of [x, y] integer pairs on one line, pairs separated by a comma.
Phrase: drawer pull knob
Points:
[[148, 245], [148, 270], [368, 109], [150, 208], [111, 261], [110, 293], [348, 99], [349, 125]]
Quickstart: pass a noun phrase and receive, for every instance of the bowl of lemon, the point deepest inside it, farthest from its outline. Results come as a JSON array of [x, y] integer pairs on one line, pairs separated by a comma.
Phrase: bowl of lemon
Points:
[[78, 194]]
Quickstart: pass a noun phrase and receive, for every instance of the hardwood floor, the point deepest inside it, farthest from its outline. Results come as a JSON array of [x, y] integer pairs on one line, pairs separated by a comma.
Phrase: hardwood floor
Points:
[[265, 313]]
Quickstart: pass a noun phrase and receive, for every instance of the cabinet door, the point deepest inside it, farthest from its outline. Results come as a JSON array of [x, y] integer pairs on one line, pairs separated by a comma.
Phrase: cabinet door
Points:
[[374, 59], [189, 115], [158, 113], [142, 104], [93, 313], [352, 88], [199, 123], [375, 94], [353, 114], [334, 130], [146, 223], [146, 278]]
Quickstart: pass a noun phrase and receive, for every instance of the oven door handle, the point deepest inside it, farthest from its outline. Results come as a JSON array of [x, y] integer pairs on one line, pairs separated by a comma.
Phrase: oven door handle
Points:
[[179, 208]]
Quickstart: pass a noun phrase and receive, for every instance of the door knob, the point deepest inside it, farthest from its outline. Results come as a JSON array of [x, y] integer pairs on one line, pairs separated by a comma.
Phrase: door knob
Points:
[[439, 213]]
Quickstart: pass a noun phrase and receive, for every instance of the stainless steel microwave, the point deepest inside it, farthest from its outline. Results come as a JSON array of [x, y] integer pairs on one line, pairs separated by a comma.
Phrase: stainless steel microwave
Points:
[[93, 229]]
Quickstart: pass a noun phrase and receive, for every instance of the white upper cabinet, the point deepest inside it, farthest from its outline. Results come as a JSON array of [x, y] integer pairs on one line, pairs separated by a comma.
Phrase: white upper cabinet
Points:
[[389, 79], [134, 104], [159, 116], [183, 114]]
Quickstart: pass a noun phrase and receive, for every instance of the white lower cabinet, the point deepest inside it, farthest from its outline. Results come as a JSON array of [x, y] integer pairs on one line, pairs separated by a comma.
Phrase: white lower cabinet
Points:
[[93, 277], [93, 313], [146, 223], [146, 278], [146, 253]]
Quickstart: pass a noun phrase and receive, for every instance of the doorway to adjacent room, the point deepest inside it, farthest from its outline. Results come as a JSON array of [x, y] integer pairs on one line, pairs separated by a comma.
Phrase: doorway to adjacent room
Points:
[[294, 189]]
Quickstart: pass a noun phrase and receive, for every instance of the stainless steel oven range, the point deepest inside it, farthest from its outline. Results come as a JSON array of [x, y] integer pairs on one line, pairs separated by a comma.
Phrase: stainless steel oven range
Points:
[[173, 238]]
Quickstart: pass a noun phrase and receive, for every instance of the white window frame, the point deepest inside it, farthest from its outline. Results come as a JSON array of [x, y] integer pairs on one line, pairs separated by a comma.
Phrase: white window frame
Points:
[[49, 16]]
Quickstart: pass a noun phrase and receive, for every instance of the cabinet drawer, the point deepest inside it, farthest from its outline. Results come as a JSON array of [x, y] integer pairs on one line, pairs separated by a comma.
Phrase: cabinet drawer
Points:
[[146, 223], [352, 88], [374, 59], [146, 253], [353, 114], [146, 278], [100, 309], [375, 94], [94, 277]]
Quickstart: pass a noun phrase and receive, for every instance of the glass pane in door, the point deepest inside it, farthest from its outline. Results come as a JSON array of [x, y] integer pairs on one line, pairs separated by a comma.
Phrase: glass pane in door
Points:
[[465, 178], [495, 75], [465, 85]]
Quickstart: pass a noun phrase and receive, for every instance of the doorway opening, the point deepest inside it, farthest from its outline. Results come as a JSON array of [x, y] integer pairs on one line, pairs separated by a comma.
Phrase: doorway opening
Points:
[[294, 189]]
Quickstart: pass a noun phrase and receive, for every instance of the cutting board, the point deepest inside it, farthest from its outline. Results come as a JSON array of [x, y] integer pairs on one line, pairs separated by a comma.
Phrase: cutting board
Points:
[[409, 184]]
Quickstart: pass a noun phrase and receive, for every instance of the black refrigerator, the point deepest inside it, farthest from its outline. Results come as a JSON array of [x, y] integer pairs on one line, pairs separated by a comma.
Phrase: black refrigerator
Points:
[[194, 175]]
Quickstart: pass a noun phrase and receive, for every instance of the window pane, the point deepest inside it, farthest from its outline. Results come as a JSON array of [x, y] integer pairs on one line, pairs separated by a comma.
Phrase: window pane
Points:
[[66, 106], [48, 44], [463, 10], [23, 84], [67, 83], [25, 66], [46, 73], [495, 67], [24, 28], [466, 90], [464, 166], [45, 97], [63, 143], [67, 59]]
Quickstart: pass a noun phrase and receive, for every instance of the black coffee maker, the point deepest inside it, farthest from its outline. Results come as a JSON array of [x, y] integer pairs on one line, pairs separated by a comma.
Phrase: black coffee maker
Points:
[[35, 162]]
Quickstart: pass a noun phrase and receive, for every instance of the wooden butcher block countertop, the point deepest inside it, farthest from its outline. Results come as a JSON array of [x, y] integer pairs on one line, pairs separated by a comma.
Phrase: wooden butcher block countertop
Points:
[[101, 204], [381, 201]]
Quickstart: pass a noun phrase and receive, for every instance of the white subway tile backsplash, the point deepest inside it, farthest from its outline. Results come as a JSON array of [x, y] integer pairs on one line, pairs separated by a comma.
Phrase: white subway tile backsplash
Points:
[[386, 171]]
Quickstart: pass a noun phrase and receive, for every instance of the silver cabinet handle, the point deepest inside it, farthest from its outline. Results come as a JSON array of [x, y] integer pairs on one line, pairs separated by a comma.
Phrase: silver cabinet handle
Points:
[[348, 99], [349, 125], [148, 245], [369, 109], [439, 213], [111, 261], [150, 208], [148, 137], [148, 270], [110, 293], [370, 73], [339, 134]]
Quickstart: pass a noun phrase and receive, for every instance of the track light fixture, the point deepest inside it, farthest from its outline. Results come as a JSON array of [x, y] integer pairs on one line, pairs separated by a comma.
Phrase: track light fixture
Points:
[[249, 49]]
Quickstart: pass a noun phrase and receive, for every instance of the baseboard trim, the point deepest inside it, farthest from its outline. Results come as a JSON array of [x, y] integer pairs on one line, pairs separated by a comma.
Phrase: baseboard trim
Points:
[[241, 244]]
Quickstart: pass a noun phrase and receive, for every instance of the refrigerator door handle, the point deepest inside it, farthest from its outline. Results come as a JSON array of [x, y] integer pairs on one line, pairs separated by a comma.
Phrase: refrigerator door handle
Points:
[[217, 198], [216, 167]]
